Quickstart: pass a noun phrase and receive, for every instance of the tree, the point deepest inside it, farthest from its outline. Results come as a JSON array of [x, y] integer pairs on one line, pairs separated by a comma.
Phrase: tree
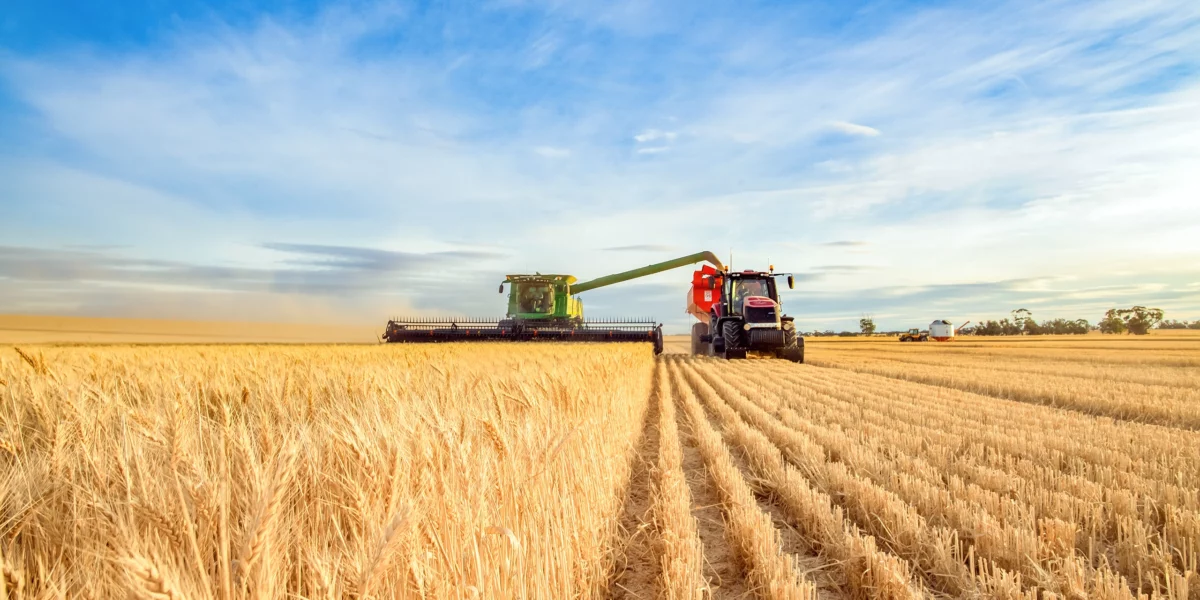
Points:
[[1065, 327], [1112, 323], [867, 325], [1137, 320], [1023, 319], [1140, 319]]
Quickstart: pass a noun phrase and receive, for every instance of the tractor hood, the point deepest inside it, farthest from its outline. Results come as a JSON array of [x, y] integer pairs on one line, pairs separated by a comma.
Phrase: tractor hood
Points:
[[760, 311]]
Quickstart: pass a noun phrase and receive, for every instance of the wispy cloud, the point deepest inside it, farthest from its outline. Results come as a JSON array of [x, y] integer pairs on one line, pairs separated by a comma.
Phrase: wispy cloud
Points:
[[654, 135], [552, 152], [844, 268], [854, 129], [641, 248]]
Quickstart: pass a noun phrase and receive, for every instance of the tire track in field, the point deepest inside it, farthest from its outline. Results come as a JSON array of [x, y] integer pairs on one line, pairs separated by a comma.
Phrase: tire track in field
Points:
[[722, 568], [637, 567], [829, 585]]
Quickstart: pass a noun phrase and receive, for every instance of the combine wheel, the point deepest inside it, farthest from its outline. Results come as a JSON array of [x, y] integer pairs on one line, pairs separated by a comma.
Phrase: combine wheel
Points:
[[699, 348]]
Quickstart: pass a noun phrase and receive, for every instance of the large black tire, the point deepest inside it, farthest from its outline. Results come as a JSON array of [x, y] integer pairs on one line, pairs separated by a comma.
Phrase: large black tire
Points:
[[699, 348], [658, 341], [793, 348], [735, 339]]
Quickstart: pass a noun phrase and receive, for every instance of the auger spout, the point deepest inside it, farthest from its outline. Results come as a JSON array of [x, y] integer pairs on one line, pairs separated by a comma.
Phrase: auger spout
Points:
[[647, 270]]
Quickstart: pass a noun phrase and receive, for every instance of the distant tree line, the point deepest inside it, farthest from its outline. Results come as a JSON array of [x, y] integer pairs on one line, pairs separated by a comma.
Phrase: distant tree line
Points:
[[1137, 320], [1169, 324], [1023, 323]]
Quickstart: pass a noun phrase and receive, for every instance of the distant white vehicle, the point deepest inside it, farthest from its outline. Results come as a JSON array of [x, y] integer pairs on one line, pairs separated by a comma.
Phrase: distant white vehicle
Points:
[[943, 330]]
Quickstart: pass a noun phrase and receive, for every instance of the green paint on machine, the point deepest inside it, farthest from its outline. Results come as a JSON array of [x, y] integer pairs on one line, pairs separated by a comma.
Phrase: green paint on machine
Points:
[[545, 307]]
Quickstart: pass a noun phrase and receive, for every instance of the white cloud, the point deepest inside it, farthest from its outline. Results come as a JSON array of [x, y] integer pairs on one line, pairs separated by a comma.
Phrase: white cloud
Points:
[[552, 152], [652, 150], [854, 129], [654, 135]]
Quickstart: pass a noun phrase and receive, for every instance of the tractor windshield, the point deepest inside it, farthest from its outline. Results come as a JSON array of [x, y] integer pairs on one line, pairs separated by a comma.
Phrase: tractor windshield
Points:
[[744, 288], [536, 298]]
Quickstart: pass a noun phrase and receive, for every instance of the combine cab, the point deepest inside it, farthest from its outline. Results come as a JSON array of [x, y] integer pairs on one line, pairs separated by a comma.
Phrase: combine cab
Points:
[[740, 313], [544, 307]]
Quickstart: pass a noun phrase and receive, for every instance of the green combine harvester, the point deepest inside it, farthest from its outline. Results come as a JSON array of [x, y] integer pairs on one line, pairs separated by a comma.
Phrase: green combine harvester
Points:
[[544, 307]]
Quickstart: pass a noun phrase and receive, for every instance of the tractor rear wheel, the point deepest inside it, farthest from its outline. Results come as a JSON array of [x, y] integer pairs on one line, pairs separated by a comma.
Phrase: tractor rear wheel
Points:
[[699, 347]]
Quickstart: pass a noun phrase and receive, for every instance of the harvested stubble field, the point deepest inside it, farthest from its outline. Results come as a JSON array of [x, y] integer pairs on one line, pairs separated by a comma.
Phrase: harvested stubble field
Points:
[[977, 470]]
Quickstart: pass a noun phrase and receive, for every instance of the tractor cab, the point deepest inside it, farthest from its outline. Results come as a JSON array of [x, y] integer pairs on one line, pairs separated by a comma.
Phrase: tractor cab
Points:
[[745, 286], [749, 293]]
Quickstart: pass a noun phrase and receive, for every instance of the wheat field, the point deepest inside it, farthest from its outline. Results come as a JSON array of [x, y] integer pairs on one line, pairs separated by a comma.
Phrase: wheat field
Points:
[[985, 469]]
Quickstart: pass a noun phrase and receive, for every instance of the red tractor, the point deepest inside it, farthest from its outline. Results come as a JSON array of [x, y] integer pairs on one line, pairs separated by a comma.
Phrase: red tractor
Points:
[[739, 313]]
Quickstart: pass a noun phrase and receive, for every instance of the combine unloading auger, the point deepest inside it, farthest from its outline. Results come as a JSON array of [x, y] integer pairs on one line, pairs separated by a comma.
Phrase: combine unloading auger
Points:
[[544, 307]]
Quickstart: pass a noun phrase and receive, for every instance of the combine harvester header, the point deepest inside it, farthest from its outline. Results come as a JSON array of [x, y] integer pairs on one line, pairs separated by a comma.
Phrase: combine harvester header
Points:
[[544, 307]]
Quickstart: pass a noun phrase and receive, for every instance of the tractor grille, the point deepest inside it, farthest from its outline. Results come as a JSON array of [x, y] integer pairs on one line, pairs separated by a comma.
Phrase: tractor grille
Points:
[[766, 338], [760, 314]]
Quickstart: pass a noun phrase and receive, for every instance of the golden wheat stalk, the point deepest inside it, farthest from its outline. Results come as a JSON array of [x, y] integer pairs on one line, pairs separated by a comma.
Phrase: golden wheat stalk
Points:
[[148, 581], [373, 570], [266, 514]]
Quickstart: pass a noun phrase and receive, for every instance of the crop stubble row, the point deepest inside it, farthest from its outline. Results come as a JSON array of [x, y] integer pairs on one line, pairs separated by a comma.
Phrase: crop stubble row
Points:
[[423, 480], [1154, 393]]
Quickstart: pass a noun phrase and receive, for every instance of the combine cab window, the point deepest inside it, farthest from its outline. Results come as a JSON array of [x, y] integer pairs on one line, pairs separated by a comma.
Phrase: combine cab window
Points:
[[536, 298]]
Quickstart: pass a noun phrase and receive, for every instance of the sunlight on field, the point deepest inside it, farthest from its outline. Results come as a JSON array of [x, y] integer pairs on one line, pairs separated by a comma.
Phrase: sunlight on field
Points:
[[999, 468], [32, 329]]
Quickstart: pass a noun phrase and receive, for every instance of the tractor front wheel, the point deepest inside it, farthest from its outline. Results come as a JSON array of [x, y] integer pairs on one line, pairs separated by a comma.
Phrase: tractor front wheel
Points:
[[734, 339]]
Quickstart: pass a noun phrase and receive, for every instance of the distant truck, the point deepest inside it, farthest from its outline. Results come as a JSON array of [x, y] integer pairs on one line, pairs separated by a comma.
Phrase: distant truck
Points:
[[914, 335]]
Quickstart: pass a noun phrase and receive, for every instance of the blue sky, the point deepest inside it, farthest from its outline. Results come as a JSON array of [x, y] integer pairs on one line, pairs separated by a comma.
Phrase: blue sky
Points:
[[347, 161]]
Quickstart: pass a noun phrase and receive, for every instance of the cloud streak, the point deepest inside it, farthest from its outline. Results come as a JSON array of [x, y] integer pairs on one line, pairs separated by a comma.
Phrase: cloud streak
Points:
[[854, 129]]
